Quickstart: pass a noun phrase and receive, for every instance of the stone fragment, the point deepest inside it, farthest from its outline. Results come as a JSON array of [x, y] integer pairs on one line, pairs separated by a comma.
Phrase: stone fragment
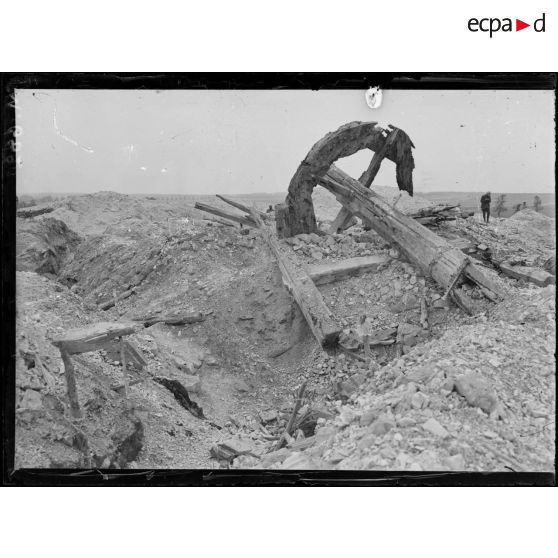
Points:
[[269, 416], [476, 391], [31, 400], [345, 388], [231, 448], [381, 426], [419, 400], [241, 386], [434, 427], [420, 375], [368, 418], [298, 460]]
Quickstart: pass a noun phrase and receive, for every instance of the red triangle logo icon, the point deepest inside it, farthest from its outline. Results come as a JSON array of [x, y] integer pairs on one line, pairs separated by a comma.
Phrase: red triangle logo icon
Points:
[[519, 25]]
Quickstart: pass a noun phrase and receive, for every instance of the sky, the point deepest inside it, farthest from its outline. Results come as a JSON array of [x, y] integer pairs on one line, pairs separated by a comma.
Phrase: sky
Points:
[[249, 141]]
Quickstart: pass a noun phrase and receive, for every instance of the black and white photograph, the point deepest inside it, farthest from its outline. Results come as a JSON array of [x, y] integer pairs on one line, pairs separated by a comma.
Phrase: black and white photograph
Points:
[[285, 279]]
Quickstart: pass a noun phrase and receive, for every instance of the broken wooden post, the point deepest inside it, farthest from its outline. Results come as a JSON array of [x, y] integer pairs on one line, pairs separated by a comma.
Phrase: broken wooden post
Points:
[[311, 303], [430, 253], [284, 224], [423, 313], [71, 389], [365, 338], [292, 419]]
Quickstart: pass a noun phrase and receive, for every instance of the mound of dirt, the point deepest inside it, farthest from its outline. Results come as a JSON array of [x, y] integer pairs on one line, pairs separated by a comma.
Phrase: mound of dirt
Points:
[[43, 244], [534, 219], [104, 264], [93, 214]]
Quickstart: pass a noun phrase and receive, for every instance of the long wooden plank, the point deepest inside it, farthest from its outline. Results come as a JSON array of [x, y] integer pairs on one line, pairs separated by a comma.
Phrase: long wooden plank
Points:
[[92, 337], [531, 274], [240, 206], [248, 221], [328, 273], [429, 252], [321, 321]]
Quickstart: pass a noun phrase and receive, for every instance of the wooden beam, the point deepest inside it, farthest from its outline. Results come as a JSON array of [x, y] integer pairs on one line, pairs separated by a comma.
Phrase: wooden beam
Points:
[[28, 213], [320, 319], [328, 273], [534, 275], [433, 255], [71, 388], [173, 319], [241, 206], [92, 337], [248, 221], [111, 302]]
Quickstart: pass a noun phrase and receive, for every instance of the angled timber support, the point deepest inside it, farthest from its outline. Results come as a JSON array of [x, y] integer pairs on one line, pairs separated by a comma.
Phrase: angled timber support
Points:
[[321, 321], [248, 221]]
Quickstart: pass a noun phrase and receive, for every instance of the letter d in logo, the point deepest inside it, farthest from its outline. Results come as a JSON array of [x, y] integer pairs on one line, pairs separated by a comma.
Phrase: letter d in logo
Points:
[[539, 24]]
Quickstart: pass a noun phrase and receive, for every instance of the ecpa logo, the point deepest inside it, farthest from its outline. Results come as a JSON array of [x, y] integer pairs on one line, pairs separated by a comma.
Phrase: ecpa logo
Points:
[[492, 25]]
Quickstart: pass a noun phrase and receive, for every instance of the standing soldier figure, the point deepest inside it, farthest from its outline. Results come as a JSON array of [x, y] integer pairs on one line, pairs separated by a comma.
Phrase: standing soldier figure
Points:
[[485, 206]]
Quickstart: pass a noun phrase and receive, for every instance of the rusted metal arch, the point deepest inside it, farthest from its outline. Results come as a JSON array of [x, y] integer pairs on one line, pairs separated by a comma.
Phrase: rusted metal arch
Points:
[[297, 214]]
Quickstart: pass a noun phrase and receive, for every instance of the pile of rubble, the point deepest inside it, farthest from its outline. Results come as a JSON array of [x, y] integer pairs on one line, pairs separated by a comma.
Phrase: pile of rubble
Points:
[[470, 400]]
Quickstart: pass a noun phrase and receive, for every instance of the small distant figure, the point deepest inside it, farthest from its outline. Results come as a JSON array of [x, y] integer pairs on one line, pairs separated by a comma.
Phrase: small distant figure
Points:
[[269, 209], [485, 206], [524, 205], [537, 204]]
